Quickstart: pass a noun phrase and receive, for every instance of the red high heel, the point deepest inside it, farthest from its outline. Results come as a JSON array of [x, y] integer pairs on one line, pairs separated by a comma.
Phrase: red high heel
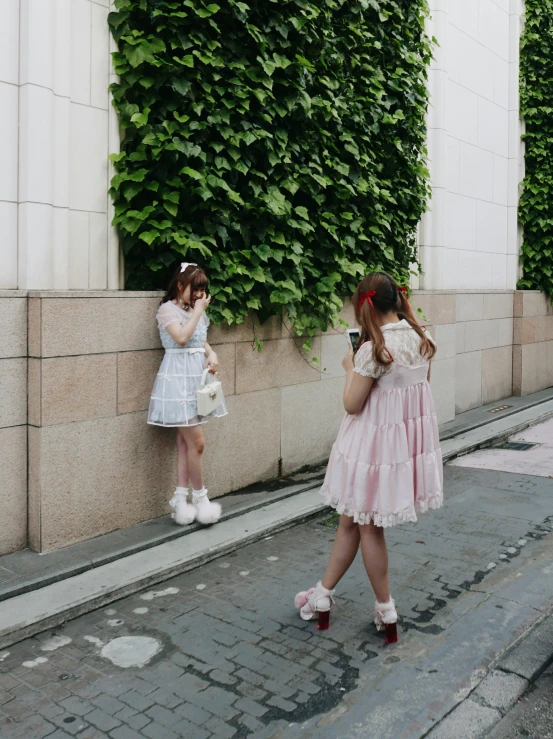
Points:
[[391, 633], [386, 619], [323, 620]]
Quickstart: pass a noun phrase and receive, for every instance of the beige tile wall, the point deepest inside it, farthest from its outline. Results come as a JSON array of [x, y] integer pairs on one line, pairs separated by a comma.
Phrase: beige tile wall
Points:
[[475, 329], [94, 463], [13, 420], [93, 360], [310, 417], [533, 343]]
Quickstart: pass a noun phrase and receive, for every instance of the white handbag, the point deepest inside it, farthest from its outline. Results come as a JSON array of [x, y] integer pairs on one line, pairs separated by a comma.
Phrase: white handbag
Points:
[[210, 394]]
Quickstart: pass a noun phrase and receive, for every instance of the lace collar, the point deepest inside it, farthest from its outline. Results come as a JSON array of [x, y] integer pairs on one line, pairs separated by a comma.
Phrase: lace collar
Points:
[[395, 326]]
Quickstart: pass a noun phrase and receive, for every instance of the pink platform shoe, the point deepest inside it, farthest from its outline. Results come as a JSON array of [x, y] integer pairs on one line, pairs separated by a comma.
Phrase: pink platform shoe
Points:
[[386, 619], [315, 602]]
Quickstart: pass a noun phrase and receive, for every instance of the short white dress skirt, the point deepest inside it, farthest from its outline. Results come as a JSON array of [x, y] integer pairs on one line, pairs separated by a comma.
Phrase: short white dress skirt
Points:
[[174, 395]]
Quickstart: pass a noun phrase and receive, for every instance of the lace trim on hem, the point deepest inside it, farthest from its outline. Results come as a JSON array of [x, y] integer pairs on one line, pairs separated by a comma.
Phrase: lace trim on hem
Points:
[[433, 453], [408, 515]]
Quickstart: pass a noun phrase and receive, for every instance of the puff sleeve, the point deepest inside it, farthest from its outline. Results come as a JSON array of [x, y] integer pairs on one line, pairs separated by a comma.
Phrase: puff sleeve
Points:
[[168, 314], [365, 364]]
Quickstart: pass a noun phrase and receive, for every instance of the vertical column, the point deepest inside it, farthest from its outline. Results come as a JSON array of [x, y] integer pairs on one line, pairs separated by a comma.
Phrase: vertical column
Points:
[[61, 176], [432, 237], [43, 154], [9, 105], [88, 145]]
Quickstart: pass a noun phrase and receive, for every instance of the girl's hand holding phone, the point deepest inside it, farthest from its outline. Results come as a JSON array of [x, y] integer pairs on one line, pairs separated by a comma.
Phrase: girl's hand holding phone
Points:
[[354, 335], [353, 339]]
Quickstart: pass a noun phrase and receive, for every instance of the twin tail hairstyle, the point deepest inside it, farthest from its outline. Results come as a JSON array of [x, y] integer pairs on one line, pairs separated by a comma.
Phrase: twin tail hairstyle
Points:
[[380, 293]]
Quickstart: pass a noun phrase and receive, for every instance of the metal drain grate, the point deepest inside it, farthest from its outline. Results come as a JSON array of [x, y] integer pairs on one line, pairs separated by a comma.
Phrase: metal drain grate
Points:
[[517, 446], [500, 408]]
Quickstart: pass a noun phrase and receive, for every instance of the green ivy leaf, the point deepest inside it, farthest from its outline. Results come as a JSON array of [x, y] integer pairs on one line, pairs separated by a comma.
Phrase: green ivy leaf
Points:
[[193, 173], [182, 86], [185, 61], [281, 145], [171, 208], [149, 237]]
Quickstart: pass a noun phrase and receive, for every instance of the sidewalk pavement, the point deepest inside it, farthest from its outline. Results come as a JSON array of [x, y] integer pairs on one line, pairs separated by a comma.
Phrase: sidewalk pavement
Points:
[[532, 715], [43, 591], [220, 652], [515, 674]]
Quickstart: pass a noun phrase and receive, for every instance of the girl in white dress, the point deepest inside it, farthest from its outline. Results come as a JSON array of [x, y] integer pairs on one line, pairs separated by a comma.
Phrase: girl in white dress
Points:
[[183, 325]]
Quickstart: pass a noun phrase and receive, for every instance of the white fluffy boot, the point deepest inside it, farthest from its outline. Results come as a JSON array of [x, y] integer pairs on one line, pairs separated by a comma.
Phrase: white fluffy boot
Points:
[[183, 512], [207, 512]]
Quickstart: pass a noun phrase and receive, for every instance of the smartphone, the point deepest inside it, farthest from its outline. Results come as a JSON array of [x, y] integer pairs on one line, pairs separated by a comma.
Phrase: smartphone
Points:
[[354, 335]]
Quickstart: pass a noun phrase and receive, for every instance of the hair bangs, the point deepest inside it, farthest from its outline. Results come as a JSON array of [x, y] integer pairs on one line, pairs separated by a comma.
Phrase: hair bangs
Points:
[[199, 280]]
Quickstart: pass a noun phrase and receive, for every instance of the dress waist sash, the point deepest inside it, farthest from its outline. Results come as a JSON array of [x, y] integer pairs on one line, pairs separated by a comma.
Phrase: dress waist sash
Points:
[[185, 350], [400, 377]]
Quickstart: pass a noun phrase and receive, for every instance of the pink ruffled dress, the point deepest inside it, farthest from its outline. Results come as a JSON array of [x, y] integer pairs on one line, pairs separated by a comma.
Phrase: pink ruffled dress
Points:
[[386, 462]]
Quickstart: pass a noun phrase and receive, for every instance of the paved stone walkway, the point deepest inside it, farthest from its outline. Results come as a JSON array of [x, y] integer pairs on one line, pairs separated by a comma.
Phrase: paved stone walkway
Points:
[[225, 655], [532, 716]]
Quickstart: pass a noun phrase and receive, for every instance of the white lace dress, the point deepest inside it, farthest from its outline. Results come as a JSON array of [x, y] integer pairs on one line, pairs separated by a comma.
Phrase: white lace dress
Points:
[[174, 401], [386, 462]]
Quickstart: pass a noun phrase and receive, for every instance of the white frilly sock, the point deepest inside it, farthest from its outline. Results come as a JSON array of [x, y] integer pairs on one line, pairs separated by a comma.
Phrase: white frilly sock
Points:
[[208, 512], [183, 513]]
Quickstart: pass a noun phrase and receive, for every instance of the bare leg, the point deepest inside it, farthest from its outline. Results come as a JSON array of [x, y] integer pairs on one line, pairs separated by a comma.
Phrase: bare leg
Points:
[[193, 437], [375, 559], [183, 512], [207, 512], [182, 462], [343, 552]]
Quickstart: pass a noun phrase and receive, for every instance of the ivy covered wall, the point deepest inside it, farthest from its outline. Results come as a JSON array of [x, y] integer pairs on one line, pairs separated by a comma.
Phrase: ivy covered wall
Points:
[[280, 144], [536, 108]]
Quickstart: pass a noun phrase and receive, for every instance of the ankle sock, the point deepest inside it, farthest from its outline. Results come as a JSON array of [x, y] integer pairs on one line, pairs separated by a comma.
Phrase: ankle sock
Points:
[[321, 588]]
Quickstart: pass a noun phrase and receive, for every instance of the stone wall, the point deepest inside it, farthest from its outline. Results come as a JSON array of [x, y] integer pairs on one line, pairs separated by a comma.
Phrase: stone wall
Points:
[[474, 332], [533, 343], [13, 420], [94, 463], [88, 365]]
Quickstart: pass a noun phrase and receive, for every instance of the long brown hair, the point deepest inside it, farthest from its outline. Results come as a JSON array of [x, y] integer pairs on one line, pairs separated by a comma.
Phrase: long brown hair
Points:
[[192, 275], [388, 296]]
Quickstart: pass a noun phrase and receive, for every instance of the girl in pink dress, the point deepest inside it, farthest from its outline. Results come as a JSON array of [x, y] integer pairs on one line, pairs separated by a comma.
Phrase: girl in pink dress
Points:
[[386, 462]]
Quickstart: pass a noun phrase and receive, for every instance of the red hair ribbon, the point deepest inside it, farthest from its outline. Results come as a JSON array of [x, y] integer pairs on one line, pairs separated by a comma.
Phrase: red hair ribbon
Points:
[[369, 298], [405, 290]]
